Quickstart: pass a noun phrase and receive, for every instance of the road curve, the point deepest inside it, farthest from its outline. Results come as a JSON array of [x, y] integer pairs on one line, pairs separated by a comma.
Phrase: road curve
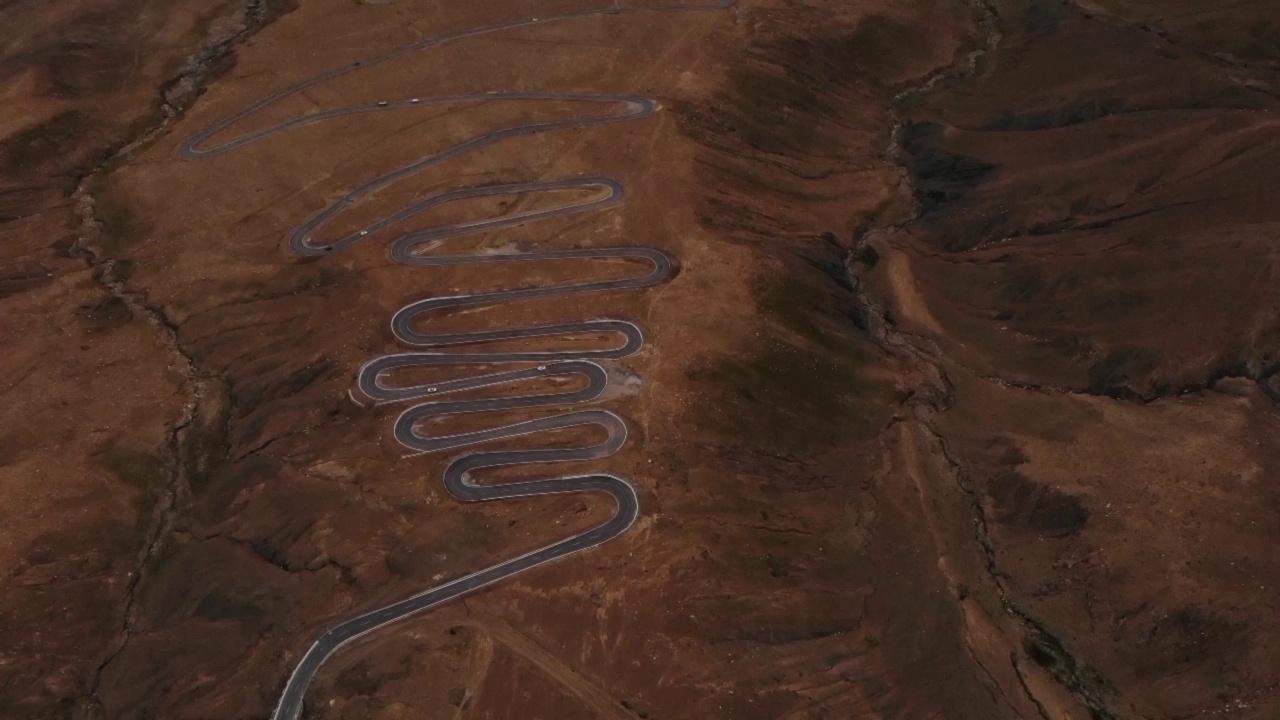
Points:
[[407, 325]]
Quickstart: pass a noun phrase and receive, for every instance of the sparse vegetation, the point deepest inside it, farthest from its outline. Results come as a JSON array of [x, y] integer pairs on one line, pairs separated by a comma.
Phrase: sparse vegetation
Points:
[[942, 179], [879, 43], [142, 471], [120, 226], [776, 114], [30, 149], [789, 107], [168, 549], [110, 313], [803, 381], [122, 269], [1048, 652], [325, 277], [1263, 44], [1121, 370], [1088, 111], [204, 451], [733, 169], [866, 255]]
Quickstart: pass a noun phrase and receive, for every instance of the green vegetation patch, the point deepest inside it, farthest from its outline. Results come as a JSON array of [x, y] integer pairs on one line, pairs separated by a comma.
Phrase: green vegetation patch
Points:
[[877, 45], [168, 550], [145, 472], [1263, 43], [791, 99], [29, 149], [120, 226], [777, 114], [748, 175], [803, 384], [1121, 369], [112, 312], [1048, 652], [323, 278], [866, 255], [204, 449], [122, 269]]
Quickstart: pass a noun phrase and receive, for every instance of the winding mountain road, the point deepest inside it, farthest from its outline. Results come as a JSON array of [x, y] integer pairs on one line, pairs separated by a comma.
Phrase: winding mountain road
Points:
[[407, 324]]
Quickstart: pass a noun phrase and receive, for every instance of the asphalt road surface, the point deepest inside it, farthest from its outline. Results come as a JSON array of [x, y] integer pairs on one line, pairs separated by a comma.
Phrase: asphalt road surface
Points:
[[408, 325]]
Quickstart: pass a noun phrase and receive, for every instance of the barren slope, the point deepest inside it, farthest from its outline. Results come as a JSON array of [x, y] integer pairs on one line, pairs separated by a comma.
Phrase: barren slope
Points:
[[1091, 270], [94, 390], [959, 404], [769, 573]]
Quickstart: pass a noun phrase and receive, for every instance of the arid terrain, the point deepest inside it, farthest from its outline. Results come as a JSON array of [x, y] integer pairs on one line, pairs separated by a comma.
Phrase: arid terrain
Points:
[[960, 403]]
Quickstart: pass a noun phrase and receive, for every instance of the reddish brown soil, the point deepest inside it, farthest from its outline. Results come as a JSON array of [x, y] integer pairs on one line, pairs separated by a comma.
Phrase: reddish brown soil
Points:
[[959, 405], [92, 390], [1091, 275]]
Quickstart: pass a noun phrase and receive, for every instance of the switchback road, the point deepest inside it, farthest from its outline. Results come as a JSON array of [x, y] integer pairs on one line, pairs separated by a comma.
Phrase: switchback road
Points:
[[407, 324]]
